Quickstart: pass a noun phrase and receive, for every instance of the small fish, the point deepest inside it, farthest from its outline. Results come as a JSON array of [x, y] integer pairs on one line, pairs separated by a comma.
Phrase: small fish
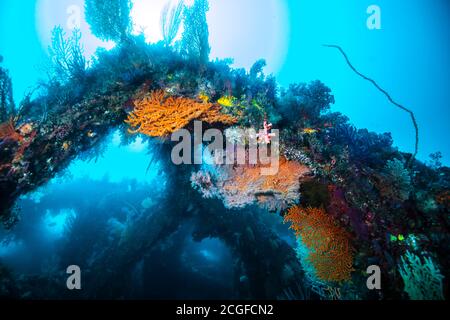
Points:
[[399, 238], [226, 101], [66, 146], [91, 134]]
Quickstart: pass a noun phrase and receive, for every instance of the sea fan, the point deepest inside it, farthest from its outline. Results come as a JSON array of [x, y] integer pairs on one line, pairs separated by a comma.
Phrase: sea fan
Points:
[[397, 181], [329, 250]]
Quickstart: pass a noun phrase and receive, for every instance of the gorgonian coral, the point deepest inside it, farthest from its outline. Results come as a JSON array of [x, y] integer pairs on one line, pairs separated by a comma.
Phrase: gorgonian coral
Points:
[[305, 102], [423, 280], [396, 182], [330, 251], [364, 147], [8, 131], [194, 42], [67, 56], [6, 94], [109, 19], [171, 18], [22, 137], [245, 185], [242, 185], [158, 116]]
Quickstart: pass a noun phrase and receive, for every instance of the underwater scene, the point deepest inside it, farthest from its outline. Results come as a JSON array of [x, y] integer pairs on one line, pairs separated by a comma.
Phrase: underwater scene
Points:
[[278, 150]]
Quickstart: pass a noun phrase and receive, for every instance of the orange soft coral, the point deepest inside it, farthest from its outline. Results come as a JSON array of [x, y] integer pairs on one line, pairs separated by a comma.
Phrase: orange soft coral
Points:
[[158, 116], [245, 184], [288, 175], [330, 254]]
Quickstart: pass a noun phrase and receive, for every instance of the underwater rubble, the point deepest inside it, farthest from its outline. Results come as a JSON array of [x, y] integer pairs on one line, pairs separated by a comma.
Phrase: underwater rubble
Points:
[[335, 181]]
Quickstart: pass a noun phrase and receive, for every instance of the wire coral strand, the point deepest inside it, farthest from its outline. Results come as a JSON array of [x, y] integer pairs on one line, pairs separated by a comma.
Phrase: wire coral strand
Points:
[[413, 117]]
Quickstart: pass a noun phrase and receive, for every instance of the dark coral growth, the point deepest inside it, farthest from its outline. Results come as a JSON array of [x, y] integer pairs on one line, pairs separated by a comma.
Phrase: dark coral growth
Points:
[[6, 94]]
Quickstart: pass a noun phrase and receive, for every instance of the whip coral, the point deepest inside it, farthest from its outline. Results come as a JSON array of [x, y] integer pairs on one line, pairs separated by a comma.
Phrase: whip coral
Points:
[[329, 249], [388, 96], [158, 116]]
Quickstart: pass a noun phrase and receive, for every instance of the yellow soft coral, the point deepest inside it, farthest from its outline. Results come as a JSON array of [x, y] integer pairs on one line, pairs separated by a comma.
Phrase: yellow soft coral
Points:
[[330, 252], [227, 101], [158, 116]]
